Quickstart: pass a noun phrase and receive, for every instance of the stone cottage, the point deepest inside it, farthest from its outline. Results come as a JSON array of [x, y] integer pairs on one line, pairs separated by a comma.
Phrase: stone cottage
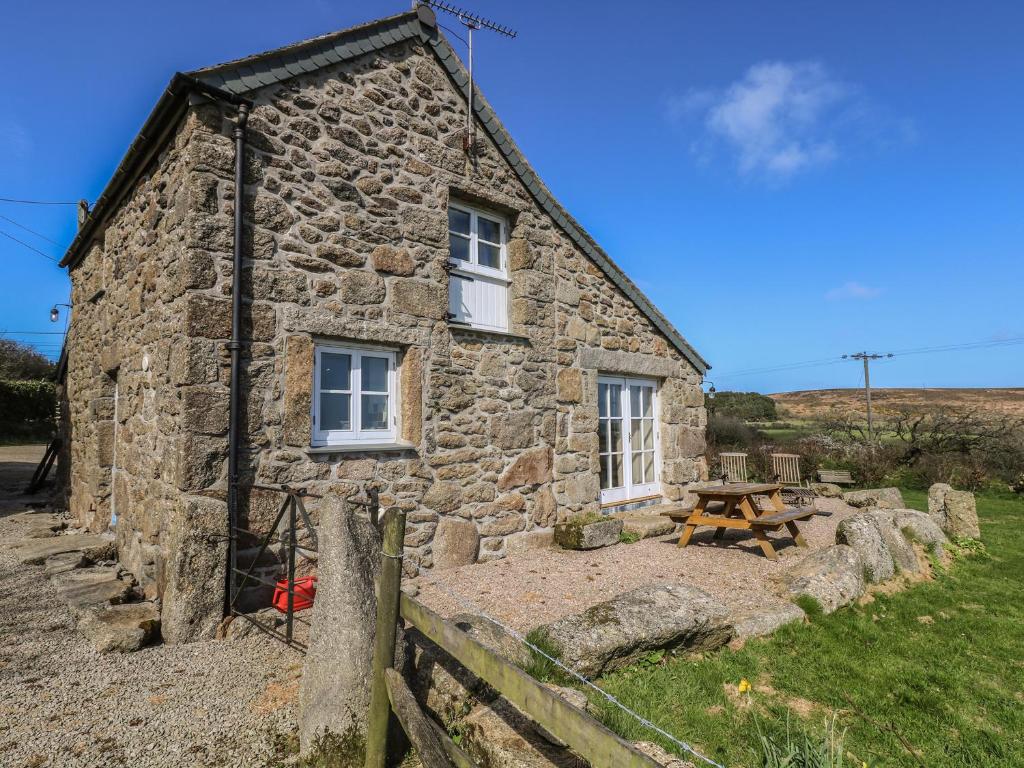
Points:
[[406, 307]]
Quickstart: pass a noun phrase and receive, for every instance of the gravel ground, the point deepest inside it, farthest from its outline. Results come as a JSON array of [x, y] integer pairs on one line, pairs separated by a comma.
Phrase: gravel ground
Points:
[[215, 703], [538, 587]]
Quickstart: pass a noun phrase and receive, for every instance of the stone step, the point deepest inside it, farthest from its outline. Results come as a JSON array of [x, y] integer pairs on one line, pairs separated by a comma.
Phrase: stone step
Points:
[[87, 588], [34, 551], [123, 628]]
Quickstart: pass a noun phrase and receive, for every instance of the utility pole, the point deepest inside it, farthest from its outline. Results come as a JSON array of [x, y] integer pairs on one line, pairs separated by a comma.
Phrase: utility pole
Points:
[[867, 358]]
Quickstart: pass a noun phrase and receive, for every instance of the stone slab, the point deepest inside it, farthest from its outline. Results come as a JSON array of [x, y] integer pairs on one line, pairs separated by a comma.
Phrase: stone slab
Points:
[[87, 588], [93, 546], [528, 541], [619, 631], [120, 628], [64, 562], [765, 620], [645, 526], [576, 535]]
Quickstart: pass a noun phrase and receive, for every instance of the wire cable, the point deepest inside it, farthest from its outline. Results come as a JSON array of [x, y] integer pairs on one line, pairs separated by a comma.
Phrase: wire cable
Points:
[[466, 603], [30, 247], [35, 202], [22, 226]]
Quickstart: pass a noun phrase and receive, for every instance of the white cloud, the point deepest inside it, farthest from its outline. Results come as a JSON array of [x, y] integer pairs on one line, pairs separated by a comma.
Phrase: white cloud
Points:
[[852, 290], [780, 118]]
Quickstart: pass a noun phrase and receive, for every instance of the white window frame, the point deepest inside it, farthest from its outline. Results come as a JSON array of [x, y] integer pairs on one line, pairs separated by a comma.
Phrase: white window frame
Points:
[[356, 435], [630, 491], [473, 270]]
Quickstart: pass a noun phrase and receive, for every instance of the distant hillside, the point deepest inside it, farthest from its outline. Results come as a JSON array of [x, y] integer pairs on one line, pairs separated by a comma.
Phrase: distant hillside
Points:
[[820, 402]]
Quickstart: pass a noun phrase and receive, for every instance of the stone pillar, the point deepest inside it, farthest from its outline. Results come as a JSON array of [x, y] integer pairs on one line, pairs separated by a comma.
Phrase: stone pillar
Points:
[[335, 691]]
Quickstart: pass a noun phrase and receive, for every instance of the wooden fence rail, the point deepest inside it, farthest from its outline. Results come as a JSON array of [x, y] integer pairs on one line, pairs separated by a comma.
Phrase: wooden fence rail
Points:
[[582, 733]]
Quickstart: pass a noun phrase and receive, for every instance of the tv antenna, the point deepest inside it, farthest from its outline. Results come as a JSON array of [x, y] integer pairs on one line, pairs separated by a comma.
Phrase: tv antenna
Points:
[[472, 22]]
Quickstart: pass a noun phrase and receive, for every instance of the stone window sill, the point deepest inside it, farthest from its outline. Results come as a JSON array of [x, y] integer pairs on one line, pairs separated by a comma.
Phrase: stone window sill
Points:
[[488, 332], [361, 448]]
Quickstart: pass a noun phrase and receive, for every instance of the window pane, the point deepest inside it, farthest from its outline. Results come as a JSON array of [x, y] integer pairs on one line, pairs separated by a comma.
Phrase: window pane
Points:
[[490, 255], [648, 466], [637, 469], [458, 221], [616, 436], [605, 479], [459, 247], [602, 436], [375, 412], [335, 411], [335, 370], [617, 470], [635, 408], [648, 402], [615, 393], [488, 230], [648, 434], [374, 374], [636, 442], [602, 400]]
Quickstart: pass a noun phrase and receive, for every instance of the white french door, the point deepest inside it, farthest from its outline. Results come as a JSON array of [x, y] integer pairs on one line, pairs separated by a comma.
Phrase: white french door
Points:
[[628, 438]]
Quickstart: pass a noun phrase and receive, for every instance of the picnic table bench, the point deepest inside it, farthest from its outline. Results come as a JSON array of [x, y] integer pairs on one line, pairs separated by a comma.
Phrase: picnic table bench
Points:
[[742, 512], [837, 476]]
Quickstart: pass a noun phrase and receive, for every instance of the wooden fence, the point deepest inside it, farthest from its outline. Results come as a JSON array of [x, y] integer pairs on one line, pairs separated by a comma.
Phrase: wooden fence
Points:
[[389, 692]]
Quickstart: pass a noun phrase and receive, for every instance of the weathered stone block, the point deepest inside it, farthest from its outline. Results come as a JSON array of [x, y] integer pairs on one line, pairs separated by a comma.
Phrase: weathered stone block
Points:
[[531, 467], [512, 430], [207, 316], [205, 410], [359, 286], [419, 298], [298, 390], [393, 260], [456, 543], [569, 385], [834, 577], [581, 534], [884, 498], [955, 511]]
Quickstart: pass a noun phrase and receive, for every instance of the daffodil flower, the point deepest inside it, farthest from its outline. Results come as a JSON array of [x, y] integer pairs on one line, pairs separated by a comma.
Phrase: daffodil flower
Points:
[[744, 686]]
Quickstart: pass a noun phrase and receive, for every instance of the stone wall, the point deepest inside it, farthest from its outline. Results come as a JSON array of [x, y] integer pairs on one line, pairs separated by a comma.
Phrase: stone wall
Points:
[[127, 335], [349, 174]]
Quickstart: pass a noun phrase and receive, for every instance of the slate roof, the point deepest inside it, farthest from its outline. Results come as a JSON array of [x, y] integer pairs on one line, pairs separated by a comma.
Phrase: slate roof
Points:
[[234, 79]]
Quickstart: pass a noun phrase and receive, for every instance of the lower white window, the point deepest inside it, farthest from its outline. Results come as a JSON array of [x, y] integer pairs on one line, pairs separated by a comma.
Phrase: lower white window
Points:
[[355, 399], [628, 439]]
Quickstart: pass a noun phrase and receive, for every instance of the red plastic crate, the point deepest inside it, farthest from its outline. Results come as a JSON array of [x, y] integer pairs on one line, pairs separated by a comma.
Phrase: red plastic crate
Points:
[[305, 592]]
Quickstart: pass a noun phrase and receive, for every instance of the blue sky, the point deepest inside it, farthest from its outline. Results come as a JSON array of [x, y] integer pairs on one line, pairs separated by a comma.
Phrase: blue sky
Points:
[[788, 181]]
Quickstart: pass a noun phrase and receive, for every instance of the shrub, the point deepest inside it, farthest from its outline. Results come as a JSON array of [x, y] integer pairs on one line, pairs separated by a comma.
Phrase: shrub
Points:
[[27, 410], [750, 406], [730, 432]]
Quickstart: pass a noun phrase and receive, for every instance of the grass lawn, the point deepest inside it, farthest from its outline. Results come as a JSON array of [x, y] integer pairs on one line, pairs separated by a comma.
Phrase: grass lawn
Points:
[[937, 669]]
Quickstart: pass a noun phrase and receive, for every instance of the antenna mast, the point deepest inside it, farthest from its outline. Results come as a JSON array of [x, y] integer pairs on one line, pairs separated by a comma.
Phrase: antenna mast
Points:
[[471, 22]]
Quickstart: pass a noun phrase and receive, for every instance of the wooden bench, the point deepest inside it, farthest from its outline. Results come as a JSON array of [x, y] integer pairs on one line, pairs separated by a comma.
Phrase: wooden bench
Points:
[[785, 516], [836, 476]]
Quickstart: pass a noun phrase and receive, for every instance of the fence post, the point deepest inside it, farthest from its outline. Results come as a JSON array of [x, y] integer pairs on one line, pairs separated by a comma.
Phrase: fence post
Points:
[[388, 593]]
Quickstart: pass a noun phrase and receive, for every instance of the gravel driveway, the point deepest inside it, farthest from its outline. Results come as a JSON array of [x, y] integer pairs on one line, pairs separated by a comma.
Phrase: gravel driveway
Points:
[[215, 703]]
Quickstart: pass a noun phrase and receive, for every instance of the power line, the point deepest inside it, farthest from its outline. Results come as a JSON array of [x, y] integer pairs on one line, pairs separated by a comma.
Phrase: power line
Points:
[[36, 333], [22, 226], [35, 202], [30, 247]]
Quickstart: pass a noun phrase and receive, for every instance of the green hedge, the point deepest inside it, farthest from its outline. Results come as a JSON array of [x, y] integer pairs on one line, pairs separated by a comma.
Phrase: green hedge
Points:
[[27, 410]]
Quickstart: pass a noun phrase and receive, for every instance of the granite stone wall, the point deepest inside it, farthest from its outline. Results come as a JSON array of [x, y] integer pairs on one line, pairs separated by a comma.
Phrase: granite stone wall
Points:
[[349, 174]]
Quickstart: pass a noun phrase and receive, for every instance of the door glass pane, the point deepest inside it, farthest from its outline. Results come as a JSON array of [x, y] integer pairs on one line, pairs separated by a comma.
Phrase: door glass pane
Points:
[[605, 479], [616, 435], [637, 466], [648, 410], [616, 470], [602, 400], [602, 436], [489, 255], [648, 432], [458, 221], [488, 230], [615, 400], [335, 411], [636, 443], [635, 408], [374, 374], [648, 466], [335, 371], [458, 247], [374, 412]]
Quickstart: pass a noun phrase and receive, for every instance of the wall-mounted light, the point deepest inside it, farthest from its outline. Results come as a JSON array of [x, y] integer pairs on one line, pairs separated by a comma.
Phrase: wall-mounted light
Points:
[[55, 313]]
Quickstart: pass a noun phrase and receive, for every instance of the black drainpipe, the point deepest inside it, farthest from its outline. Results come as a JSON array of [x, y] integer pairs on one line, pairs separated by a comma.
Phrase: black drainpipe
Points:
[[235, 345]]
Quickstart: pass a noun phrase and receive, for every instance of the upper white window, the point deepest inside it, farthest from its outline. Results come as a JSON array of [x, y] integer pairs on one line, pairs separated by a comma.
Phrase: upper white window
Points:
[[355, 399], [478, 288], [628, 440]]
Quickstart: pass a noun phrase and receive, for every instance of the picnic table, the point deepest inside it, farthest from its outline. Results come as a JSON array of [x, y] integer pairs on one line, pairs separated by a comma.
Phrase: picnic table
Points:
[[740, 510]]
